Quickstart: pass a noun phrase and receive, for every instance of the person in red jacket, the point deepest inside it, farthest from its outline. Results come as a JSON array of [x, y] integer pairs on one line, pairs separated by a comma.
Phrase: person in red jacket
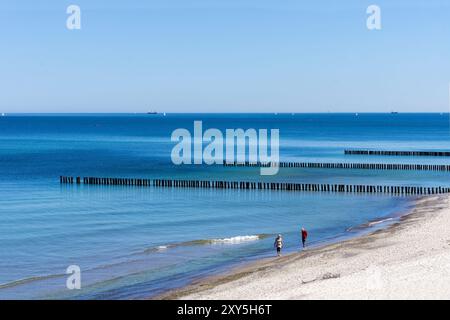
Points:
[[304, 237]]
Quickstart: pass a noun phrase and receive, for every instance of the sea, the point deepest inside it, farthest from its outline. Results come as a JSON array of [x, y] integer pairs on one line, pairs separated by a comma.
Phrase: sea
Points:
[[134, 242]]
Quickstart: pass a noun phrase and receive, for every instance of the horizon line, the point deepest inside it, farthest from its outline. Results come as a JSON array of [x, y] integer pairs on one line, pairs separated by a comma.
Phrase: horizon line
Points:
[[199, 112]]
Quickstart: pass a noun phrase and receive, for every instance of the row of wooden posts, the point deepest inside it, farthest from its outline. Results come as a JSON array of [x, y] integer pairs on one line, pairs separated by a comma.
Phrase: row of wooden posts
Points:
[[372, 166], [399, 153], [250, 185]]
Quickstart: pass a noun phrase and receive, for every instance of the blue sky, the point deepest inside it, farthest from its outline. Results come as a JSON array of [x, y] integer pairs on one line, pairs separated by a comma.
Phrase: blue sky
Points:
[[224, 56]]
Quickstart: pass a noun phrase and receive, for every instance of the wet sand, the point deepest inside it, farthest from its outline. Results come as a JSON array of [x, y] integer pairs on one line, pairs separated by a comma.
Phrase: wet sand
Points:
[[408, 260]]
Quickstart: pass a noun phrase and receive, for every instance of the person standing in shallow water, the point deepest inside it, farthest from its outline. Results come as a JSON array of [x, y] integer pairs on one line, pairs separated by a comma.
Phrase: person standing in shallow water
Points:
[[278, 244], [304, 237]]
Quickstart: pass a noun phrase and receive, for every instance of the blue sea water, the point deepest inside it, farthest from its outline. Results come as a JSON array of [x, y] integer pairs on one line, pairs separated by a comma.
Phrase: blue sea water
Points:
[[136, 242]]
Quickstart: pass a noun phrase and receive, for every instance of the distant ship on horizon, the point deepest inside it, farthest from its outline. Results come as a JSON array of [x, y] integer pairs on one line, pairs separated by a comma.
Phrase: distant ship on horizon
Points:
[[152, 112]]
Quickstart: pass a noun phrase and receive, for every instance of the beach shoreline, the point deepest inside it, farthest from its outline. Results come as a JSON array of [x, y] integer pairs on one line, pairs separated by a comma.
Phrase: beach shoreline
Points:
[[361, 267]]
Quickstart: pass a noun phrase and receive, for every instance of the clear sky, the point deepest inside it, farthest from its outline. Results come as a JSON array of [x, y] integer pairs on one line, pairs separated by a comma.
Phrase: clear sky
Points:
[[224, 56]]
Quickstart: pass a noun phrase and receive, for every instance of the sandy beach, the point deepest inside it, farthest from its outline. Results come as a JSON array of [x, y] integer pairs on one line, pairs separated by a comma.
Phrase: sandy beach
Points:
[[408, 260]]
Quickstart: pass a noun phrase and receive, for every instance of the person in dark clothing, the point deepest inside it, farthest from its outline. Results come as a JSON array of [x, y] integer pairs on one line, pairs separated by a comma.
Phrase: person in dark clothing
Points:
[[278, 244]]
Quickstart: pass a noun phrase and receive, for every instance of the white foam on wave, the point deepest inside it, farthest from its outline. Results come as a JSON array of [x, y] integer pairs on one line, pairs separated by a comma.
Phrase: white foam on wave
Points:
[[235, 240], [379, 221]]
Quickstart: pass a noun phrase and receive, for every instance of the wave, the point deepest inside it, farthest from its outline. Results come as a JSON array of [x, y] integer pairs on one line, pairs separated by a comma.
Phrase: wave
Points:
[[29, 280], [370, 224], [202, 242], [379, 221], [236, 240]]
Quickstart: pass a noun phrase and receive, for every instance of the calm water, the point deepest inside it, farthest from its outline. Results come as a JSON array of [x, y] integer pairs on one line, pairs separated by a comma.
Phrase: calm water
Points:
[[137, 242]]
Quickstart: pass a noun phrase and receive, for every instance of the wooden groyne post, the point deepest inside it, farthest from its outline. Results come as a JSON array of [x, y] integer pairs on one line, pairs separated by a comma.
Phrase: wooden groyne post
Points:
[[254, 185], [344, 165], [398, 153]]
